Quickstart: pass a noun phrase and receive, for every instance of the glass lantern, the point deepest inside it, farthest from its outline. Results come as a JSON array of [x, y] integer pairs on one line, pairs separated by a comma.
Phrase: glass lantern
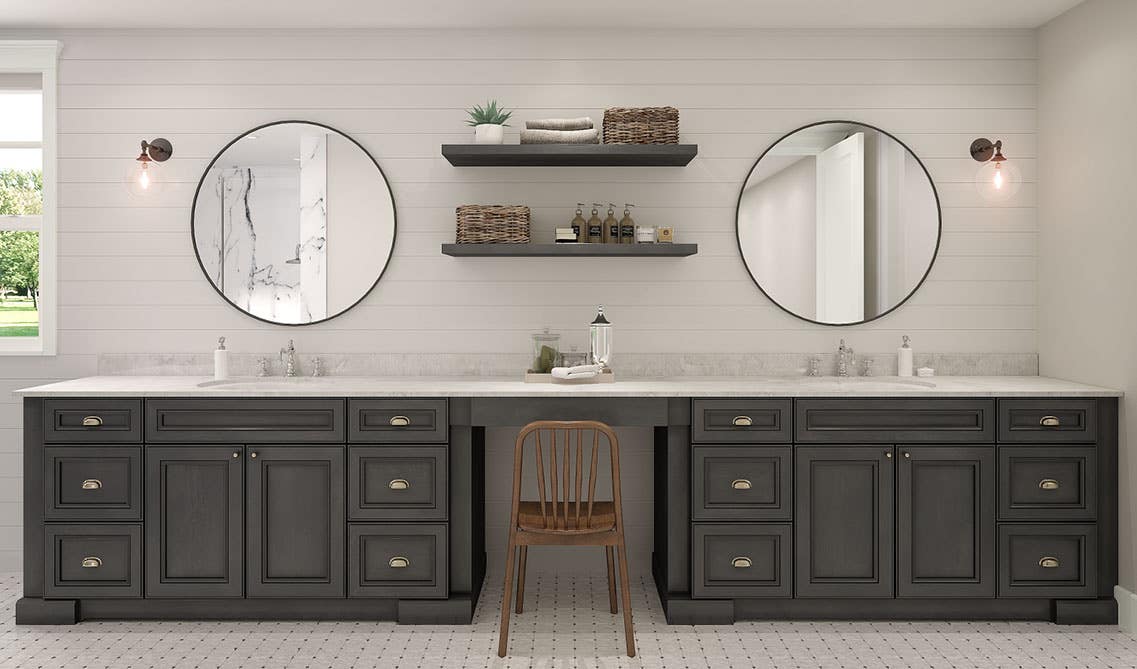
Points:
[[600, 339]]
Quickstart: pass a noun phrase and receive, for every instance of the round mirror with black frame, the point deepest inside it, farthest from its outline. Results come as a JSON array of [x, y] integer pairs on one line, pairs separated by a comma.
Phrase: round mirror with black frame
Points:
[[838, 223], [293, 222]]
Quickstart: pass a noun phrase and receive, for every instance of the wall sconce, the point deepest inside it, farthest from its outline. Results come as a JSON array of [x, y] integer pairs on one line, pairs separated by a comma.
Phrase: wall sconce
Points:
[[998, 179], [142, 179]]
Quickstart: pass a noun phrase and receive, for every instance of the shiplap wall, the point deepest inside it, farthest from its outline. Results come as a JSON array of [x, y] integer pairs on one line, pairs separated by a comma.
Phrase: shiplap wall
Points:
[[130, 283]]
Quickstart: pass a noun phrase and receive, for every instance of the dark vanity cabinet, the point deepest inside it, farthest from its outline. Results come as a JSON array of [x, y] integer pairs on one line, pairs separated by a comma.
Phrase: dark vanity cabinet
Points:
[[927, 507], [241, 509]]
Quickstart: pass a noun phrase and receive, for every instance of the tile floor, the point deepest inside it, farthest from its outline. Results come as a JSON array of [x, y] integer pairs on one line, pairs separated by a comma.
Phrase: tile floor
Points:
[[566, 625]]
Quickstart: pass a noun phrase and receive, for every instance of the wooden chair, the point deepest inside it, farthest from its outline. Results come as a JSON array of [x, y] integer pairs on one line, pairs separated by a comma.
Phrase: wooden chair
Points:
[[564, 516]]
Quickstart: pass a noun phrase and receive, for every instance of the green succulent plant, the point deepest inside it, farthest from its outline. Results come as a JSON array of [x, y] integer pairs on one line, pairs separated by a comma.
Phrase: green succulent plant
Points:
[[488, 114]]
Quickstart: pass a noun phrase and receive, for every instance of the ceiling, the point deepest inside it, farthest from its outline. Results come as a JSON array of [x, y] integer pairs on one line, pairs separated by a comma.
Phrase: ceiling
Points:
[[480, 14]]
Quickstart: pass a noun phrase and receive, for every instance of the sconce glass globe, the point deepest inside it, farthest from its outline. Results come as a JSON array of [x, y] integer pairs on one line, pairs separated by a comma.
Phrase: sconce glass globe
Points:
[[998, 181]]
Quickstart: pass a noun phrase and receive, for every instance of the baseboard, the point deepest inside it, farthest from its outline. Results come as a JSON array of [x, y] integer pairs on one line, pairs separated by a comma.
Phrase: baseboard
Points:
[[1126, 610]]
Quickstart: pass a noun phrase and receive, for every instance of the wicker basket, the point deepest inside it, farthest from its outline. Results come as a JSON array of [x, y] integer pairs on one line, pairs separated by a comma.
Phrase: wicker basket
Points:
[[492, 224], [641, 125]]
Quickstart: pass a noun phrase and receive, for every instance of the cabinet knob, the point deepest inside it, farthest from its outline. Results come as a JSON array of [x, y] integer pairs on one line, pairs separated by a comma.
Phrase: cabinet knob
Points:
[[741, 484], [743, 421], [92, 562], [907, 454], [741, 563], [1048, 484], [236, 454], [1048, 562], [398, 562], [1050, 421], [92, 484], [92, 421], [253, 454], [398, 484], [399, 421], [888, 454]]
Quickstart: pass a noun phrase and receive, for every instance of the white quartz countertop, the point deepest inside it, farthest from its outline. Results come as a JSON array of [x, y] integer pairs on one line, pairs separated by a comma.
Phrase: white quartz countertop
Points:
[[350, 386]]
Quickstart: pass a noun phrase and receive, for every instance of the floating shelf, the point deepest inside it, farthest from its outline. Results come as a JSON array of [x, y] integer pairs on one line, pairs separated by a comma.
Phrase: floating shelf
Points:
[[569, 155], [570, 250]]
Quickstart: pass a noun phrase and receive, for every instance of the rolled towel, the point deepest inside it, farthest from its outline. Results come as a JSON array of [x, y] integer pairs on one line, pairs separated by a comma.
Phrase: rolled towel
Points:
[[583, 123], [590, 136]]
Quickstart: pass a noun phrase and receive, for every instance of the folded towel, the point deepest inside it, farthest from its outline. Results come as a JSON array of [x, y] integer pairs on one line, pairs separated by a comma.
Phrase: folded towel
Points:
[[590, 136], [578, 372], [583, 123]]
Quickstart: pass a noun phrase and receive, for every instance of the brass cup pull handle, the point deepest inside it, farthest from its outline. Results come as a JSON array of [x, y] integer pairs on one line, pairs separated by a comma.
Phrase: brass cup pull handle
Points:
[[1048, 484], [399, 421], [398, 562], [1050, 421], [1048, 562], [741, 484], [741, 563], [398, 484], [742, 421], [92, 562], [92, 484], [92, 421]]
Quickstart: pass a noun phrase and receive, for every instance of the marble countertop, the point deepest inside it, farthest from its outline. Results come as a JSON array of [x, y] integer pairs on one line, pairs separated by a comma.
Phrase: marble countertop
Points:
[[349, 386]]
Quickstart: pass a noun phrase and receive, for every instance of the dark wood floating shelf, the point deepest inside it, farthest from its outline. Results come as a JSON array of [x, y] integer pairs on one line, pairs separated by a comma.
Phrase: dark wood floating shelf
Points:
[[570, 250], [569, 155]]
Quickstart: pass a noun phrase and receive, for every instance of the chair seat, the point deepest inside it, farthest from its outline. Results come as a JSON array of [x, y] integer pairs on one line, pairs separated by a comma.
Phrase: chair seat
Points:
[[530, 520]]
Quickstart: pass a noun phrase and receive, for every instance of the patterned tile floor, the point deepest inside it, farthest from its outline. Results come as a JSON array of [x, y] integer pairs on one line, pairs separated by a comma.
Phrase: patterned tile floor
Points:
[[566, 626]]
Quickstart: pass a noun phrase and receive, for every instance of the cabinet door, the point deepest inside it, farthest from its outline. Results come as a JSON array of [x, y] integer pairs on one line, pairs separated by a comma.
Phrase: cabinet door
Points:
[[296, 521], [844, 521], [945, 521], [194, 521]]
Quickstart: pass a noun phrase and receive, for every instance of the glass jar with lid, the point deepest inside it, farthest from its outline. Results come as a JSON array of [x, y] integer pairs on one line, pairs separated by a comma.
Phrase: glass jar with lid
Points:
[[546, 351]]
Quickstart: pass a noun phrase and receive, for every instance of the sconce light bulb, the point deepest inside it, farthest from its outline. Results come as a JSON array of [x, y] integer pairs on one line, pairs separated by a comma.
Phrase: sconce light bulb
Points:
[[998, 176], [144, 177]]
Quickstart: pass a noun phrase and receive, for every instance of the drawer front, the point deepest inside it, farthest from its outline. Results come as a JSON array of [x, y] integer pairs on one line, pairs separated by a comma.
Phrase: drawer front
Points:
[[397, 483], [405, 561], [741, 560], [1047, 483], [245, 421], [1048, 560], [741, 421], [93, 483], [741, 483], [88, 561], [1048, 421], [399, 421], [910, 421], [92, 421]]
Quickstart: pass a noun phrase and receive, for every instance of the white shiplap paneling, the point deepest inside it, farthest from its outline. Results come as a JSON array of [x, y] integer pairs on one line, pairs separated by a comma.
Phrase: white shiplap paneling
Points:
[[129, 282]]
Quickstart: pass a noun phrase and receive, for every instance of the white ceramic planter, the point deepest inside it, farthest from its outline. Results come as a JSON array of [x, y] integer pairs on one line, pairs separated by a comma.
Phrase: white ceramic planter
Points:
[[489, 133]]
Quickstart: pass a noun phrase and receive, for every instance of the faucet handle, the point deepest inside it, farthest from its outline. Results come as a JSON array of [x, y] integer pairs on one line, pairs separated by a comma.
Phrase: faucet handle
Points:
[[263, 364], [317, 367], [868, 367]]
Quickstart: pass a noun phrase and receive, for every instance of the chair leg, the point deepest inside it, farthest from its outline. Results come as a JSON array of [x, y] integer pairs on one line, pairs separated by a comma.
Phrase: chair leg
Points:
[[625, 587], [503, 638], [609, 552], [521, 579]]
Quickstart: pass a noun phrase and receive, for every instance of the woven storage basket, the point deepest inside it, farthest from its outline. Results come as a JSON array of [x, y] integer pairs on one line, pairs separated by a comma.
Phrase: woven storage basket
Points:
[[641, 125], [492, 224]]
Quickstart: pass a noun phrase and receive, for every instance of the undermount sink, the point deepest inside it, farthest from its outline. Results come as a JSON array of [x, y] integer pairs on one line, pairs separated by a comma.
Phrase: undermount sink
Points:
[[884, 381], [262, 383]]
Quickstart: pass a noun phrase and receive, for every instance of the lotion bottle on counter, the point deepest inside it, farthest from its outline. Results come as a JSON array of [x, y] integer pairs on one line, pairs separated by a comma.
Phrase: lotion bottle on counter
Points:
[[220, 361], [904, 358]]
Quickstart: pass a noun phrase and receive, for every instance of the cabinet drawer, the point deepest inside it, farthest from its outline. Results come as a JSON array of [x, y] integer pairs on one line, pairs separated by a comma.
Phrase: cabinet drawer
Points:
[[910, 421], [92, 421], [406, 561], [93, 483], [1046, 421], [741, 421], [397, 483], [1048, 560], [399, 421], [1047, 483], [245, 421], [741, 483], [736, 560], [87, 561]]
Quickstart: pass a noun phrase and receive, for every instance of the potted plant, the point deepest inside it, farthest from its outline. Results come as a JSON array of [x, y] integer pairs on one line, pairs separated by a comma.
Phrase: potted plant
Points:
[[489, 123]]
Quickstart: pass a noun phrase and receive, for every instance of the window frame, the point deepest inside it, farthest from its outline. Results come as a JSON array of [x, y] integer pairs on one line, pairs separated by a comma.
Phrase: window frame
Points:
[[39, 57]]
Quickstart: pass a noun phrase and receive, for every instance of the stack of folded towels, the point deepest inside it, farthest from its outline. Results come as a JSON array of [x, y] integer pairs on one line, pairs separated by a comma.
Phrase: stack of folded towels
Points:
[[560, 131]]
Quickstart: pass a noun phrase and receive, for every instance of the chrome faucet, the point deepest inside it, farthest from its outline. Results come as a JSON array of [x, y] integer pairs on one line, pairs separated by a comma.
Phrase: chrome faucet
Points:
[[814, 367], [288, 356], [844, 359]]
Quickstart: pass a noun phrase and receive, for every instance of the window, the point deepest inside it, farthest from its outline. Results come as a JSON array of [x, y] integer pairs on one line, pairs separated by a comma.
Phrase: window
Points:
[[27, 197]]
